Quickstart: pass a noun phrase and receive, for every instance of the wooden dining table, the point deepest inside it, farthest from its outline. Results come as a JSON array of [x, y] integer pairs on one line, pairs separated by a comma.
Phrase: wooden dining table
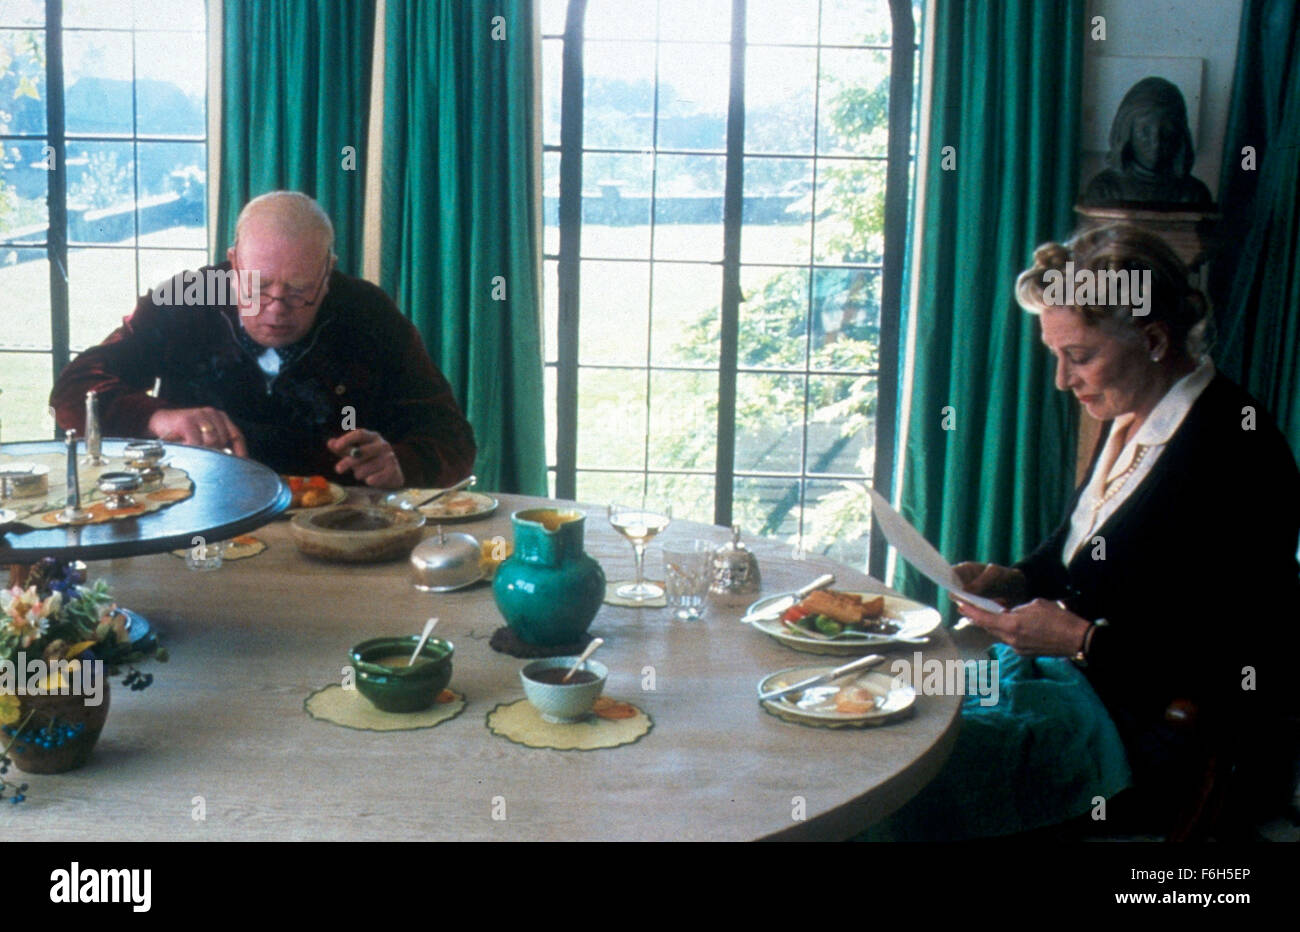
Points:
[[220, 747]]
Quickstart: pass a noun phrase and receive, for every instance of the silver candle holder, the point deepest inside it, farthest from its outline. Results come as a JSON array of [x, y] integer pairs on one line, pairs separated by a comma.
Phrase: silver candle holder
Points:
[[73, 513], [94, 438]]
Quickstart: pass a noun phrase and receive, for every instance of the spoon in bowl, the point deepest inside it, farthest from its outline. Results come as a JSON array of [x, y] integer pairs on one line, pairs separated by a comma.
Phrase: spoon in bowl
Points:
[[424, 637], [591, 649]]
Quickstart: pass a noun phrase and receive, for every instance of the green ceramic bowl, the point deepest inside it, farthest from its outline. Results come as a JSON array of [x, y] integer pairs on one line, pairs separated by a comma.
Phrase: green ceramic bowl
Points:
[[570, 702], [402, 688]]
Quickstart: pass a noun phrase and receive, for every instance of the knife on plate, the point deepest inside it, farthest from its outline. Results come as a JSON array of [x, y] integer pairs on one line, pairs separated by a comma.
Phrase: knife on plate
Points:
[[779, 607], [862, 663]]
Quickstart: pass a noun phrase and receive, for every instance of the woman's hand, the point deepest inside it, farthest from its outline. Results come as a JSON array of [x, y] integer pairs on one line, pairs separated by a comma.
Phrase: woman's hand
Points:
[[1002, 584], [1036, 629]]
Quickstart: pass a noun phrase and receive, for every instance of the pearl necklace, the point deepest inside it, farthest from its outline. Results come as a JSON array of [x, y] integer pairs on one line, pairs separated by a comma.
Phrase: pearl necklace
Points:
[[1119, 481]]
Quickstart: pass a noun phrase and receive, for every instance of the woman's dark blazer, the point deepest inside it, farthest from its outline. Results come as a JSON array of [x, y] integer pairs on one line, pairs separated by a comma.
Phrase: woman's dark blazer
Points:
[[1196, 577]]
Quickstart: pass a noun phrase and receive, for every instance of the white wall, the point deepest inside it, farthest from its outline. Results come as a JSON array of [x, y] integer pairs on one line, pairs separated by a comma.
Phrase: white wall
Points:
[[1204, 29]]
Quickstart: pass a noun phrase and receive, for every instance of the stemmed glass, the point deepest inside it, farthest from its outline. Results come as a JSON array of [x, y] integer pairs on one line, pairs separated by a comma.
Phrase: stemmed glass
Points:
[[639, 524]]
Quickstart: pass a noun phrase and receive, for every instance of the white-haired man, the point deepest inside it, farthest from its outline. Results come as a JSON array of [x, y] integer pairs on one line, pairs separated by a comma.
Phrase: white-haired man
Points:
[[296, 365]]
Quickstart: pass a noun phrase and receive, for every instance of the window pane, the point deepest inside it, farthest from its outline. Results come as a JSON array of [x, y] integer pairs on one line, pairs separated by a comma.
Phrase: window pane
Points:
[[856, 22], [101, 13], [173, 193], [850, 225], [552, 15], [780, 100], [683, 420], [767, 506], [846, 318], [24, 212], [781, 21], [615, 305], [773, 317], [22, 82], [158, 265], [101, 291], [777, 213], [550, 382], [841, 423], [604, 488], [618, 94], [700, 20], [616, 205], [171, 83], [692, 500], [552, 84], [26, 380], [181, 14], [686, 314], [837, 521], [854, 111], [101, 193], [611, 418], [551, 308], [97, 74], [22, 12], [693, 91], [688, 207], [25, 284], [620, 19], [769, 422]]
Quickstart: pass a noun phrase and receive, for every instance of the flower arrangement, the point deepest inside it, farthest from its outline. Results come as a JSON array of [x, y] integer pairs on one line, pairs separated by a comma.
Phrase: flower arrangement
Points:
[[55, 625]]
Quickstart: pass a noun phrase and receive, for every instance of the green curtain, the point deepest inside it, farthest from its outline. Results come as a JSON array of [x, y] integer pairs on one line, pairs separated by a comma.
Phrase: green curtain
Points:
[[295, 92], [1255, 282], [1006, 98], [459, 229]]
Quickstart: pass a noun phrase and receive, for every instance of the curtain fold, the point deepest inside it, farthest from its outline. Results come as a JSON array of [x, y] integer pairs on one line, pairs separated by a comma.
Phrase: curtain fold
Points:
[[295, 94], [459, 248], [989, 440], [1255, 281]]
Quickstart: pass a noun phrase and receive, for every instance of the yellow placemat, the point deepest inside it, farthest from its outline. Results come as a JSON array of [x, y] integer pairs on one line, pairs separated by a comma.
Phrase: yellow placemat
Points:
[[347, 707], [237, 548], [613, 723], [612, 597], [42, 510]]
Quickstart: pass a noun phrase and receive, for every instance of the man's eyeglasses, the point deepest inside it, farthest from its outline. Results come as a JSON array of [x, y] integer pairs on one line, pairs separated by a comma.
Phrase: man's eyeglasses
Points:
[[292, 298]]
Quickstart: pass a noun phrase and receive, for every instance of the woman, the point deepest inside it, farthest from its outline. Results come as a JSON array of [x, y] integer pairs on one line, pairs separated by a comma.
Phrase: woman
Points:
[[1172, 581]]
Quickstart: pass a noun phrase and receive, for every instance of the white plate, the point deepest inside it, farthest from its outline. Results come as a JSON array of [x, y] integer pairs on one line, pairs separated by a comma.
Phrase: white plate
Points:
[[815, 706], [458, 506], [915, 620]]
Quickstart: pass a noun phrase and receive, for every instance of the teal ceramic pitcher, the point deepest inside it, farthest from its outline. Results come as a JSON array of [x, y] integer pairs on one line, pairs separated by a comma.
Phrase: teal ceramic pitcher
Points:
[[549, 590]]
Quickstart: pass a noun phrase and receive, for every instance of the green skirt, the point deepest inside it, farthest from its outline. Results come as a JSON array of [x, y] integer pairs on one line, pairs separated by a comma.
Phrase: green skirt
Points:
[[1039, 756]]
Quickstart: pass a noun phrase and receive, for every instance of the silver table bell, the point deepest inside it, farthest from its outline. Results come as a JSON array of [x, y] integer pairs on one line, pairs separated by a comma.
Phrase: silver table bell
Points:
[[736, 581]]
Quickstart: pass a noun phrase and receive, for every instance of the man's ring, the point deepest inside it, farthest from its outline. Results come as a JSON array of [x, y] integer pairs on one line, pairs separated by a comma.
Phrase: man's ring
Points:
[[205, 429], [354, 451]]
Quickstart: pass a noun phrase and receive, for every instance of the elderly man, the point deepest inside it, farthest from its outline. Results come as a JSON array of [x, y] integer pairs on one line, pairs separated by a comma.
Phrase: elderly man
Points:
[[296, 365]]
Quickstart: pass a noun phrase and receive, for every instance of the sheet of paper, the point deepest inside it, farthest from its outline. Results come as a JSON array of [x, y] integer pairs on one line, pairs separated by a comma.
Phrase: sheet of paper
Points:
[[916, 550]]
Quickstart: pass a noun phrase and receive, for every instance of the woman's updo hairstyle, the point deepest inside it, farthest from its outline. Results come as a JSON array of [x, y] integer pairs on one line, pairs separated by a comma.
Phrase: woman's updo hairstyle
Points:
[[1123, 247]]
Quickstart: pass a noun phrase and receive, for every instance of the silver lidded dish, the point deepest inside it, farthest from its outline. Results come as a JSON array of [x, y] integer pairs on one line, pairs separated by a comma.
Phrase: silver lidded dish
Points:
[[445, 562], [145, 457]]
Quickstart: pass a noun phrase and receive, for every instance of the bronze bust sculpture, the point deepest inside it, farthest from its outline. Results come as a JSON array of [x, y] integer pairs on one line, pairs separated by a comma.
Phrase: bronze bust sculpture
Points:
[[1151, 154]]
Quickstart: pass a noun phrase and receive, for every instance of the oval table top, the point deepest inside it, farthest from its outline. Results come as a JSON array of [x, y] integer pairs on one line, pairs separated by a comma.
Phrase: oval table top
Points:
[[220, 747], [231, 496]]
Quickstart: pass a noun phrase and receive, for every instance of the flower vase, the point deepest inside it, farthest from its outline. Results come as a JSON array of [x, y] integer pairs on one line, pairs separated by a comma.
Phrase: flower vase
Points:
[[60, 735]]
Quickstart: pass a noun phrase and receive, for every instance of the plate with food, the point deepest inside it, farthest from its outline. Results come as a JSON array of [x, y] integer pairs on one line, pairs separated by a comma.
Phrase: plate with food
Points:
[[312, 492], [854, 701], [458, 506], [832, 621]]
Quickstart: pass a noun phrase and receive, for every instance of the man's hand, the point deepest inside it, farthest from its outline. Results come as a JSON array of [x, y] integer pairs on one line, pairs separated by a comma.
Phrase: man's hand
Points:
[[202, 427], [369, 457], [1037, 629], [1002, 584]]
